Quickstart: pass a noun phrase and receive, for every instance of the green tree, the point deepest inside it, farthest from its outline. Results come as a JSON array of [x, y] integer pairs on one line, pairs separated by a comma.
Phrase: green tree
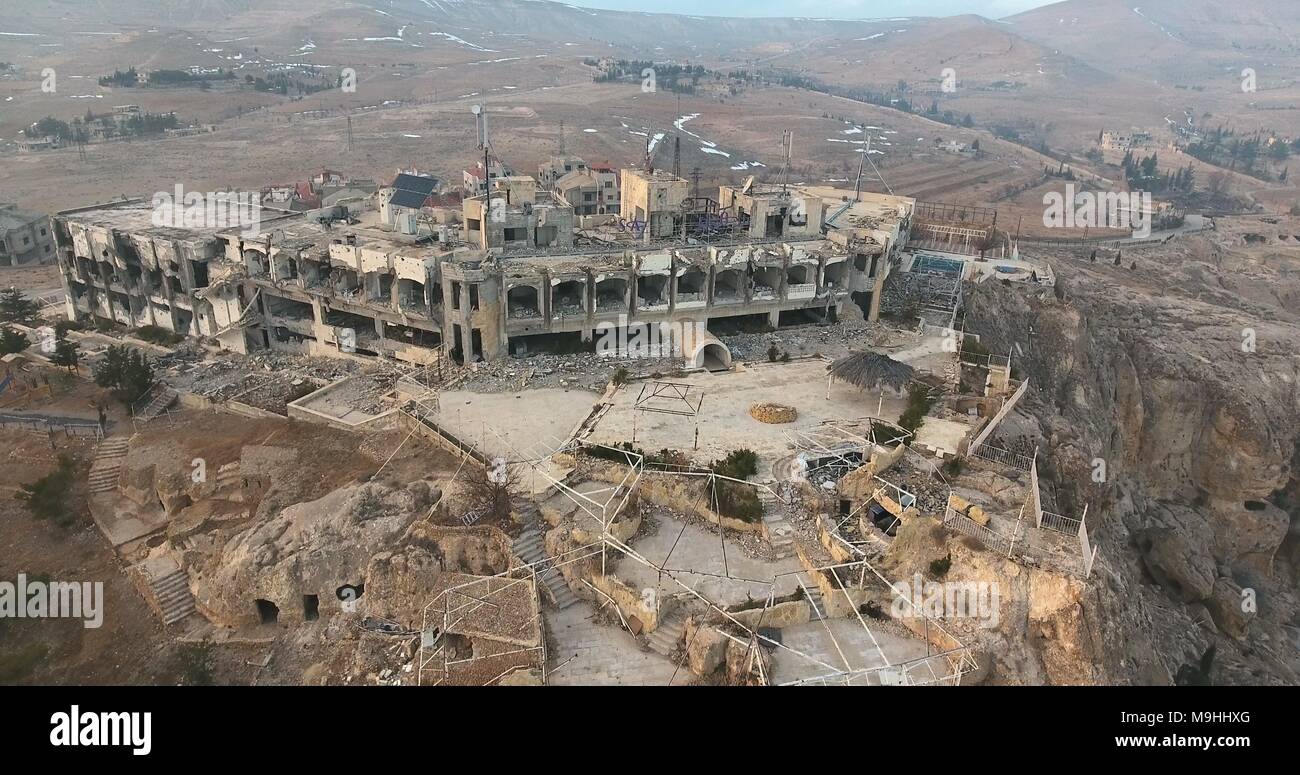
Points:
[[12, 341], [17, 308], [126, 372], [65, 351]]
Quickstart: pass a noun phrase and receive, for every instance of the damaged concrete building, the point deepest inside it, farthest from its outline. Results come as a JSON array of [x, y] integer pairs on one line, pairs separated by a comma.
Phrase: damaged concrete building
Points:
[[527, 275]]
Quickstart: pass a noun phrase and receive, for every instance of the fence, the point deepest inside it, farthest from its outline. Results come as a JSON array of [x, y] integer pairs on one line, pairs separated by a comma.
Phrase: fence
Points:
[[955, 520], [997, 418], [1002, 456], [39, 425]]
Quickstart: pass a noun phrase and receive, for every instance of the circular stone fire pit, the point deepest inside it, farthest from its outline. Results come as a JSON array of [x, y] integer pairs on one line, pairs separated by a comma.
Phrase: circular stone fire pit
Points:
[[773, 414]]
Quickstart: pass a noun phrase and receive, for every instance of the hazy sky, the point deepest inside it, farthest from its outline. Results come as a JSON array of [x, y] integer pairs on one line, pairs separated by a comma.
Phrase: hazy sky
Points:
[[837, 9]]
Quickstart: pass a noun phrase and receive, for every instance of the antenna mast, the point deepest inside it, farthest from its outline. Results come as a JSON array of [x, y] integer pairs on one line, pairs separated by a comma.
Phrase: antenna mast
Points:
[[787, 151]]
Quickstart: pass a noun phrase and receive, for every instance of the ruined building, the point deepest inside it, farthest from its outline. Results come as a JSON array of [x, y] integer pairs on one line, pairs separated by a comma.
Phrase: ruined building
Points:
[[526, 275]]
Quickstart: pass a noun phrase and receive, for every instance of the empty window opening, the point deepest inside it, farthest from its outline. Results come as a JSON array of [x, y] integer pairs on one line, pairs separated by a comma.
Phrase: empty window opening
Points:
[[476, 344], [457, 352], [739, 324], [522, 302], [200, 273], [652, 290], [611, 294], [801, 317], [835, 275], [566, 343], [767, 281], [863, 300], [729, 285], [567, 297], [690, 286]]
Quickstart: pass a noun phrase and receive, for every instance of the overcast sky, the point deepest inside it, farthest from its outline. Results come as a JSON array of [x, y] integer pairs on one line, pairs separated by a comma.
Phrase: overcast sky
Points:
[[835, 9]]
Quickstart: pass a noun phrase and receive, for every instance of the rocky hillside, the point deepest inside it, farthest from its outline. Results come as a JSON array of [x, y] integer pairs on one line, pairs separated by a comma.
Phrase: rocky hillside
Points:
[[1172, 379]]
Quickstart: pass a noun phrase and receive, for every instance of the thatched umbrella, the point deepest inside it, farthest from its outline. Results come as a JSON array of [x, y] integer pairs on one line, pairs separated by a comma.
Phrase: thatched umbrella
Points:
[[870, 371]]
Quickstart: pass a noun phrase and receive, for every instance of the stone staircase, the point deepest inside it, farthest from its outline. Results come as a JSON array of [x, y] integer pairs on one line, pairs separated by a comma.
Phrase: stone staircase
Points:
[[668, 635], [108, 464], [528, 547], [167, 589], [160, 399], [780, 532], [816, 605]]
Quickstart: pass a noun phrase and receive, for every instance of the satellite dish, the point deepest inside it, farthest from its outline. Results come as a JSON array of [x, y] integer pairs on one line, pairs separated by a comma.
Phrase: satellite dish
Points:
[[476, 109]]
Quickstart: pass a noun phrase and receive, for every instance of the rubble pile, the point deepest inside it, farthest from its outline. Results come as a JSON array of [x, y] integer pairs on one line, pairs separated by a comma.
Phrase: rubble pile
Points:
[[586, 371], [830, 340]]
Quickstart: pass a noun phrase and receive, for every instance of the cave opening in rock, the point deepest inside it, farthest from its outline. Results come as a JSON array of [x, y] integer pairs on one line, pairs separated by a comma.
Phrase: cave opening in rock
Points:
[[267, 612], [310, 607]]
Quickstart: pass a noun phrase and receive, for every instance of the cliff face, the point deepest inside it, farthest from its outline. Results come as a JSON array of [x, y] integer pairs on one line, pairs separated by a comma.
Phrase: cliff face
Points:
[[1167, 398]]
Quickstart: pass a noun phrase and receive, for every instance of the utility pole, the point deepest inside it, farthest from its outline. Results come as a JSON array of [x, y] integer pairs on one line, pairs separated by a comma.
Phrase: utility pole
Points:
[[349, 117]]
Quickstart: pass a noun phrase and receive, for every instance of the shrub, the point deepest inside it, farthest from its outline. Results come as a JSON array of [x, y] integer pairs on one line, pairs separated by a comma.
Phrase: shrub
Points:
[[46, 497], [736, 500], [195, 662], [939, 568], [738, 464], [620, 376], [918, 403], [773, 353]]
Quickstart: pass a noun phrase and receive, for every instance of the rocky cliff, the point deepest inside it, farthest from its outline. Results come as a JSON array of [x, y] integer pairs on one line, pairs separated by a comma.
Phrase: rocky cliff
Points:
[[1164, 396]]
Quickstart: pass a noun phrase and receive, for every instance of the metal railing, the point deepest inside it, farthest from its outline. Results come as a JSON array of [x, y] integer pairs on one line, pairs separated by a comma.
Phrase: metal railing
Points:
[[955, 520], [1060, 524], [40, 425], [1003, 457]]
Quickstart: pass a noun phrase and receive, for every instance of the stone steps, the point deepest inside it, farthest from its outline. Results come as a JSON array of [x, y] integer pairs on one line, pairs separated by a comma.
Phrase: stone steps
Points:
[[528, 547], [668, 635], [779, 530], [108, 464], [172, 593], [166, 589], [162, 399], [816, 605]]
